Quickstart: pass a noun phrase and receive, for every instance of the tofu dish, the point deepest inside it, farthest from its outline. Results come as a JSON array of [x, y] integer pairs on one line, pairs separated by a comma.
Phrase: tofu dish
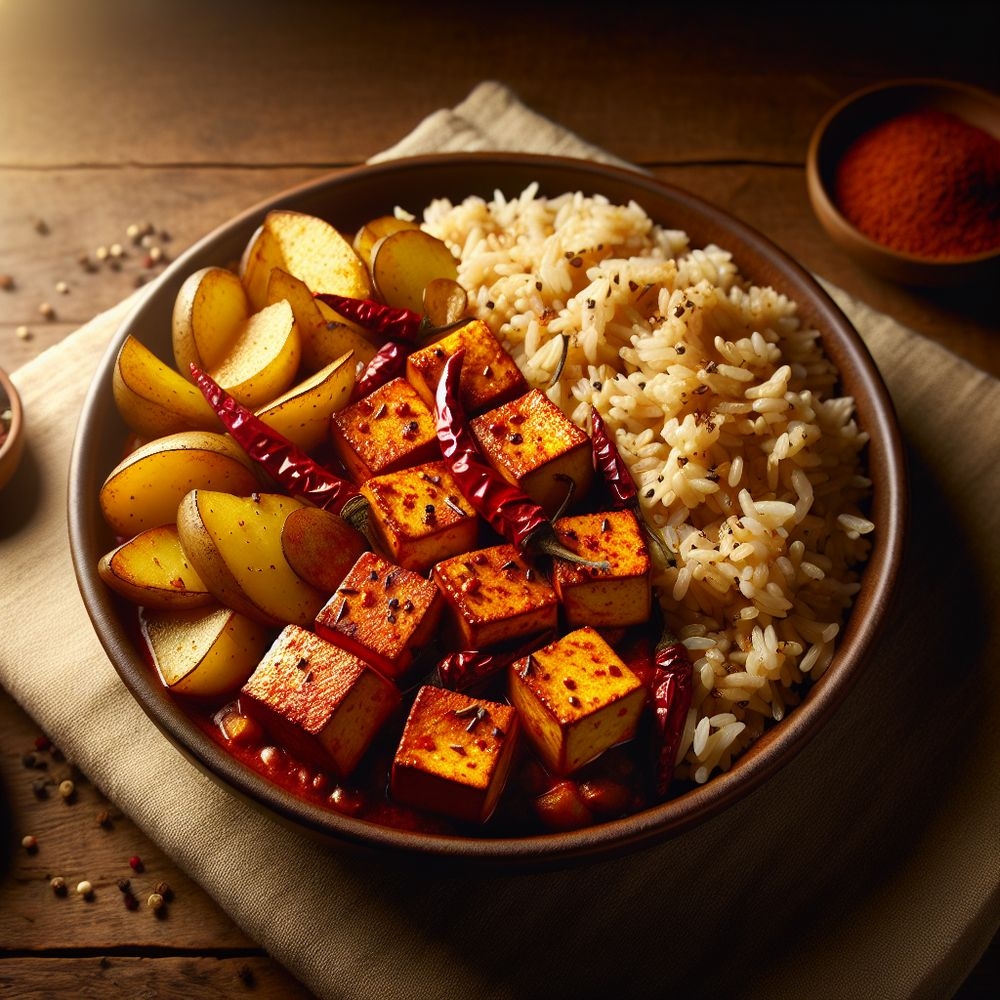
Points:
[[514, 518]]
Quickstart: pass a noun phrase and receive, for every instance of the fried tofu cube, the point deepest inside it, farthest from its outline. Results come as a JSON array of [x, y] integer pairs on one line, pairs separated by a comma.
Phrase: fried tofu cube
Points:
[[535, 446], [619, 596], [382, 613], [489, 377], [454, 755], [576, 698], [419, 515], [390, 428], [492, 595], [323, 703]]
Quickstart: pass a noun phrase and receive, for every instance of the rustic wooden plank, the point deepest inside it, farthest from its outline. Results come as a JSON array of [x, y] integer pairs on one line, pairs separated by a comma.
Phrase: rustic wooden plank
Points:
[[107, 975], [188, 202], [341, 81], [72, 843]]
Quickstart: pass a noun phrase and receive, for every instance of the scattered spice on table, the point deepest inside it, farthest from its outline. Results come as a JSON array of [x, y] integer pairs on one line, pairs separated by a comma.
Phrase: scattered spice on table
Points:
[[925, 182]]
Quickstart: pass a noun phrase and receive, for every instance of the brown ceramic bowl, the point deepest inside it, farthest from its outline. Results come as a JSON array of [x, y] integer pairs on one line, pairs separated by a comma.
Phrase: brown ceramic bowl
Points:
[[348, 199], [12, 447], [855, 115]]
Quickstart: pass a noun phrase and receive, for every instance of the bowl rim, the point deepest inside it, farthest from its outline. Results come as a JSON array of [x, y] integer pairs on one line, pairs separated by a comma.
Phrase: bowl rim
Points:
[[817, 165], [551, 849], [13, 444]]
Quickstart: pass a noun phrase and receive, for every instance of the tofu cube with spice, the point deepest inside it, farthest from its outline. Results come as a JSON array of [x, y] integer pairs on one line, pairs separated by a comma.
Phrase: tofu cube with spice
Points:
[[535, 446], [390, 428], [454, 755], [575, 698], [492, 595], [382, 613], [418, 516], [619, 596], [489, 376], [320, 701]]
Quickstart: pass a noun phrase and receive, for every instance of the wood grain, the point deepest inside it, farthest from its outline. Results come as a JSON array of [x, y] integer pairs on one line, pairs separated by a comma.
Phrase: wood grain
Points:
[[182, 114]]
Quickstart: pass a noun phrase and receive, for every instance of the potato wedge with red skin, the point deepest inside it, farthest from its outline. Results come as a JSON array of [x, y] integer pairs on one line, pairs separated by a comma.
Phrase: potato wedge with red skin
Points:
[[320, 546]]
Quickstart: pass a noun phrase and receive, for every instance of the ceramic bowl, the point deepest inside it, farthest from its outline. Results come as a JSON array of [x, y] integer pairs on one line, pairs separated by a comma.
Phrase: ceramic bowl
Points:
[[855, 115], [349, 199], [12, 446]]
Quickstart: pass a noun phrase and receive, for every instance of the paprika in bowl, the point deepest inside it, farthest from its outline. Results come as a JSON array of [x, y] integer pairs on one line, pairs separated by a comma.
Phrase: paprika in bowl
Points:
[[905, 176]]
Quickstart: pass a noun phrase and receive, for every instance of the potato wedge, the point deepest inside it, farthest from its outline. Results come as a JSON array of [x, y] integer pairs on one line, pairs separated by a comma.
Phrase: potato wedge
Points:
[[152, 398], [445, 302], [405, 262], [323, 340], [151, 569], [308, 248], [302, 414], [320, 546], [371, 232], [264, 360], [234, 542], [144, 489], [204, 653], [210, 312]]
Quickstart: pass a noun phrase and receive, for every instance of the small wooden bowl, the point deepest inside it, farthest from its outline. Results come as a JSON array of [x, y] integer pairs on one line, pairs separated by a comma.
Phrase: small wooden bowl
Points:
[[855, 115], [13, 444]]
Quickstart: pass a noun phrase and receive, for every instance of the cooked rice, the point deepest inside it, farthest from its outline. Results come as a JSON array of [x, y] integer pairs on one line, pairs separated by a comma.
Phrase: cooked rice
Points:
[[724, 406]]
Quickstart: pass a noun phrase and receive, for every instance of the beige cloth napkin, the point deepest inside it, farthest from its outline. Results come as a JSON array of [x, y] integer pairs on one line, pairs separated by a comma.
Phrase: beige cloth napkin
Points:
[[867, 867]]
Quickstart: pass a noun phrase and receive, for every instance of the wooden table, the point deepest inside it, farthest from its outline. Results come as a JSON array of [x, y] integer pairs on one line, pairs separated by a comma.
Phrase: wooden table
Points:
[[180, 114]]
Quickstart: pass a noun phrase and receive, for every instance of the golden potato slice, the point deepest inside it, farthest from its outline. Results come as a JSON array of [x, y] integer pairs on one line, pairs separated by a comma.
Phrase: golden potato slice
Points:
[[308, 248], [152, 398], [144, 489], [264, 360], [323, 340], [210, 312], [151, 569], [205, 652], [302, 414], [371, 232], [234, 542], [405, 262]]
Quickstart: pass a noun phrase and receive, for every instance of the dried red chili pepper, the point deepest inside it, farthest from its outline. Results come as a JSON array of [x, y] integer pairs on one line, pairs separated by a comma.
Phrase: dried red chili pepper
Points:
[[611, 465], [618, 478], [283, 460], [672, 687], [505, 507], [376, 317], [388, 363], [464, 669], [390, 322]]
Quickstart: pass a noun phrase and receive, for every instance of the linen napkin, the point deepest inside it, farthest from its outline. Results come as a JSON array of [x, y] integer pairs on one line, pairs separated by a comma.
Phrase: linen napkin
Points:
[[867, 867]]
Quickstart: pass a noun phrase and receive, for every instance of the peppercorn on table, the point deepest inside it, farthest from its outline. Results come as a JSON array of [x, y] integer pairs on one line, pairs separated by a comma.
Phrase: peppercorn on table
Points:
[[129, 131]]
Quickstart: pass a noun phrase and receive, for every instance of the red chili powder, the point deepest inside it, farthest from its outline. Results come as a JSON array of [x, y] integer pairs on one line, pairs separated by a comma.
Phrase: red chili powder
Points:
[[926, 183]]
